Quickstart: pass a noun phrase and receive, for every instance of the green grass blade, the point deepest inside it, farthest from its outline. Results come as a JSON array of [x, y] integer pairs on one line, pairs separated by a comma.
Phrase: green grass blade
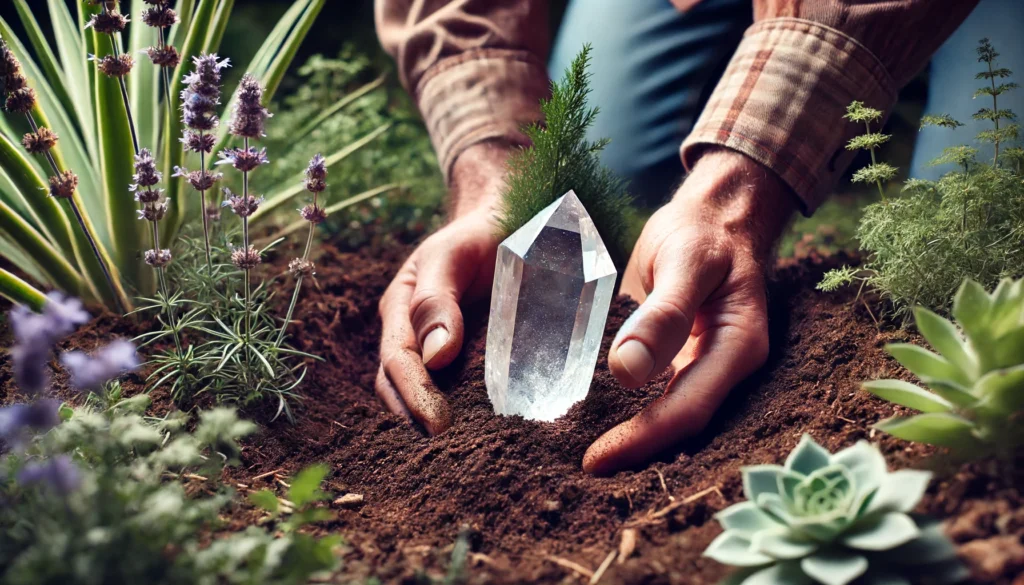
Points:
[[44, 54], [302, 224], [18, 291], [70, 146], [144, 86], [173, 154], [341, 105], [33, 189], [50, 261], [73, 57], [283, 193], [25, 264], [116, 161], [218, 26], [286, 55], [185, 10]]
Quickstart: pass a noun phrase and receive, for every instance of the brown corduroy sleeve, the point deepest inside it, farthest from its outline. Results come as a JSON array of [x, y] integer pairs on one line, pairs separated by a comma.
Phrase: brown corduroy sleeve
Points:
[[475, 67], [784, 93]]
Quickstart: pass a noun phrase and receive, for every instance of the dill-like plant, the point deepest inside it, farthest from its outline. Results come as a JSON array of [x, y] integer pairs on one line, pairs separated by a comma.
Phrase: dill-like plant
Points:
[[969, 224], [562, 159]]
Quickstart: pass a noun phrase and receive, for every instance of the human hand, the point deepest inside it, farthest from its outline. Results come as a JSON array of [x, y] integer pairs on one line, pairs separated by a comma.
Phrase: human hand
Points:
[[698, 271], [422, 325]]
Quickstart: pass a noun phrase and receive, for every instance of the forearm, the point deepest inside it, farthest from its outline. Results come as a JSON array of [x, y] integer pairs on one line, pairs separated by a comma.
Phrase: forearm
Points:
[[478, 178], [474, 67], [782, 98]]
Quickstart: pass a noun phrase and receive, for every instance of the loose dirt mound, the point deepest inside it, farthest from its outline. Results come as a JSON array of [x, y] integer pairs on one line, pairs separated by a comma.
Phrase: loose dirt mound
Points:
[[517, 487]]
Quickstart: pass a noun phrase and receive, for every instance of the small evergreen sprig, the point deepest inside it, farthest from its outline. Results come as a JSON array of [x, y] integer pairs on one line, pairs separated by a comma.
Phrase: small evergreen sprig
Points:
[[877, 172], [1000, 134], [560, 159]]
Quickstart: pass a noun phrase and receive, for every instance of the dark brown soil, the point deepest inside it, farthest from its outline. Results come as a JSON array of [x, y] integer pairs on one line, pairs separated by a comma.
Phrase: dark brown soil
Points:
[[517, 488]]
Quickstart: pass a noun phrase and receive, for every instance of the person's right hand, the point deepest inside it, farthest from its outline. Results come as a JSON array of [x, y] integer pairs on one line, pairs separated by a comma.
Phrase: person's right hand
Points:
[[420, 311]]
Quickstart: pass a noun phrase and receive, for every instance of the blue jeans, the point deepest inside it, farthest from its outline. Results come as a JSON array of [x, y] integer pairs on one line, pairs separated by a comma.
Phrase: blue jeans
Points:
[[654, 68]]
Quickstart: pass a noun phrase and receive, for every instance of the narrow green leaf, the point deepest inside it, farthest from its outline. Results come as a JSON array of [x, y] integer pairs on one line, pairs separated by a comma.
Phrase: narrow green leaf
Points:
[[937, 428], [44, 54], [185, 10], [49, 259], [144, 84], [907, 394], [1003, 389], [74, 62], [341, 105], [944, 337], [281, 194], [954, 393], [925, 364], [301, 224], [18, 291], [286, 55], [218, 26], [33, 189]]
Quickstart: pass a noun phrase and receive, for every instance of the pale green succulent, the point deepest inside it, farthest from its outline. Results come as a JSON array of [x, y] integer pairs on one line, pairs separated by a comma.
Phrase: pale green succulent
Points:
[[832, 518], [975, 382]]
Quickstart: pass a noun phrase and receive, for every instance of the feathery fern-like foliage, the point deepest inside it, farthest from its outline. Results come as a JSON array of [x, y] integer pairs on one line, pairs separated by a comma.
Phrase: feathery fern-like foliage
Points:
[[562, 159]]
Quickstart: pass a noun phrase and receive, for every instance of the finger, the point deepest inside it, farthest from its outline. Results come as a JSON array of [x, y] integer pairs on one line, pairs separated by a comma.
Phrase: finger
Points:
[[724, 354], [441, 280], [653, 335], [389, 395], [402, 365]]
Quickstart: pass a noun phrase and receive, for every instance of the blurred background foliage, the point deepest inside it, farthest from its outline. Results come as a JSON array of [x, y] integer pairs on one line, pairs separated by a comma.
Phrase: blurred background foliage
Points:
[[342, 54]]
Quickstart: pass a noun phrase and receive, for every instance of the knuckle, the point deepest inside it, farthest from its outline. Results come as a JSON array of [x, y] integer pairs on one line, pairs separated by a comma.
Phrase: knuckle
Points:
[[674, 310]]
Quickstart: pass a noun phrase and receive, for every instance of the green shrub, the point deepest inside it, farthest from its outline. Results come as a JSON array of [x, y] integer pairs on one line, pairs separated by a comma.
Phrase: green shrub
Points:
[[975, 382], [832, 519], [969, 224]]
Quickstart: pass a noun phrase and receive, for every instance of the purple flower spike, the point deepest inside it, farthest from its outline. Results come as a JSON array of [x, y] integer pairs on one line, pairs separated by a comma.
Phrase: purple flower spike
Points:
[[65, 313], [35, 334], [249, 116], [242, 159], [202, 96], [59, 473], [18, 419], [91, 372]]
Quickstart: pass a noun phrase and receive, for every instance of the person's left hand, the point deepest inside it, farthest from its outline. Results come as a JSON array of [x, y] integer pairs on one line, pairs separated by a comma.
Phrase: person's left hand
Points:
[[698, 270]]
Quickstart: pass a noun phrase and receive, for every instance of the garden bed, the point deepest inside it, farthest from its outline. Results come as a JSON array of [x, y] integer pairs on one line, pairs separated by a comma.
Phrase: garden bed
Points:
[[516, 488]]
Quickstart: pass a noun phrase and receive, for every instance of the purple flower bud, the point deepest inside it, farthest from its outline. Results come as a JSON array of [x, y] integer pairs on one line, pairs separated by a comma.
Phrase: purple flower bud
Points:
[[108, 22], [246, 259], [112, 66], [301, 268], [148, 195], [59, 473], [65, 314], [314, 214], [200, 180], [202, 96], [243, 206], [160, 16], [18, 420], [199, 141], [90, 372], [153, 211], [242, 159], [157, 258], [249, 116], [165, 56], [63, 186], [36, 333], [146, 174], [317, 168]]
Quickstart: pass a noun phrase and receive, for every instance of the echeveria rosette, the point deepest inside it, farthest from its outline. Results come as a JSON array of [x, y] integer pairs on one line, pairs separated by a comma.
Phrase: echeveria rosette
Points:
[[830, 519], [975, 381]]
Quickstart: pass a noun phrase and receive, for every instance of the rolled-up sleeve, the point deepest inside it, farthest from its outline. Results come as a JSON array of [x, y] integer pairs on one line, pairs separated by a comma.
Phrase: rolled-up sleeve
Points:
[[783, 95], [474, 67]]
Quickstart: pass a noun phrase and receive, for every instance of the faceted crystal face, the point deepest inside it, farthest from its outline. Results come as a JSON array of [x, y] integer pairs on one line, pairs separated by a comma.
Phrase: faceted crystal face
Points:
[[553, 283]]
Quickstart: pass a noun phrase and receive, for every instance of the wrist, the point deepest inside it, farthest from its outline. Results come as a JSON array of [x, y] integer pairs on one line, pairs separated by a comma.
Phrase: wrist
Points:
[[478, 177], [740, 195]]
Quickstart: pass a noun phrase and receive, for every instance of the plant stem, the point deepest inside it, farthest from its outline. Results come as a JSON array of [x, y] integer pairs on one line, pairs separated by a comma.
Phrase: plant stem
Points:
[[298, 285], [81, 223], [202, 210], [873, 161], [245, 247], [124, 98], [167, 78], [995, 115], [162, 279]]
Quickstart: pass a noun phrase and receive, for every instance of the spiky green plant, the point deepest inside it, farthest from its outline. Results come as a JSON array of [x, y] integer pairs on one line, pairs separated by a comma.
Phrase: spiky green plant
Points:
[[832, 519], [561, 159], [42, 238], [921, 245], [976, 380]]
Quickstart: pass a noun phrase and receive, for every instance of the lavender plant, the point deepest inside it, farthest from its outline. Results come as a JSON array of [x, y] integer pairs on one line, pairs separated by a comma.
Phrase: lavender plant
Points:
[[921, 245]]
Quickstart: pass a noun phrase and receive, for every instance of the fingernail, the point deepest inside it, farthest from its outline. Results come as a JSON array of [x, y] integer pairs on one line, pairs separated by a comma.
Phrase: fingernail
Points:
[[637, 359], [433, 343]]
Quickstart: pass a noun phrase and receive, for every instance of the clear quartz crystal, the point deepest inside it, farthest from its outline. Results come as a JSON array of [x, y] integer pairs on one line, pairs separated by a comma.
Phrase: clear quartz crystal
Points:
[[553, 282]]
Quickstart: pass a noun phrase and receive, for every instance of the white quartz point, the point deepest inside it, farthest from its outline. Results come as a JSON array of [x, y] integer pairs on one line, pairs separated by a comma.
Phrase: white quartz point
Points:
[[553, 282]]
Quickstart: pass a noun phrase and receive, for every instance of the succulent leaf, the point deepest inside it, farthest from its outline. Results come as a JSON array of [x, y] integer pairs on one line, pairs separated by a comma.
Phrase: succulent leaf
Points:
[[732, 548], [882, 532], [900, 491], [972, 307], [746, 518], [909, 395], [834, 567], [944, 337], [1003, 389], [808, 456], [951, 391], [782, 544], [936, 428], [780, 574], [923, 363], [761, 479]]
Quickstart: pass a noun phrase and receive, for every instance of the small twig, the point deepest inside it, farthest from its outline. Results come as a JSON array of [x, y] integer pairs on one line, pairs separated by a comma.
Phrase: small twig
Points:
[[664, 487], [194, 476], [567, 564], [283, 482], [843, 418], [604, 567], [655, 516], [267, 474]]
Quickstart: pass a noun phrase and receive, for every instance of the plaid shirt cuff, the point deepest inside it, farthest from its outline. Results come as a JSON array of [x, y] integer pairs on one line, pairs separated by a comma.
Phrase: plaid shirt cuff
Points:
[[782, 100], [480, 95]]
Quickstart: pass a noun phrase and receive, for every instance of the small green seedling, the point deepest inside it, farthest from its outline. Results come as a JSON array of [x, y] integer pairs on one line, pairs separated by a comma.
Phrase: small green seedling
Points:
[[975, 384], [832, 518]]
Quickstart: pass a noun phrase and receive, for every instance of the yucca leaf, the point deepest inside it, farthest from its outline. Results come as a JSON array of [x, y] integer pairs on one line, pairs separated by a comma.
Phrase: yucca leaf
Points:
[[173, 154], [284, 193], [50, 261], [342, 104], [144, 86], [44, 54], [300, 224], [18, 291], [218, 26], [74, 63], [26, 265], [55, 117], [185, 10], [116, 161], [44, 210], [283, 59]]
